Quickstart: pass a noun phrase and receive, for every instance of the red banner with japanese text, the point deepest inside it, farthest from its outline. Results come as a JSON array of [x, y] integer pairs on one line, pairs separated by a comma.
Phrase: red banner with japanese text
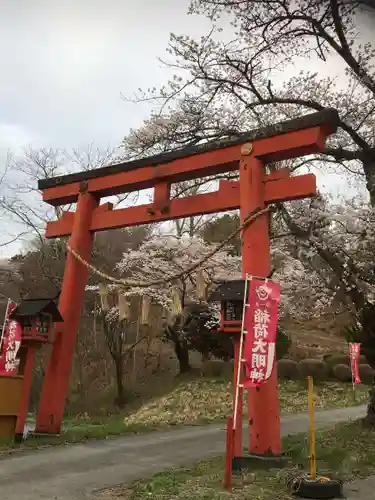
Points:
[[11, 341], [355, 351], [260, 325]]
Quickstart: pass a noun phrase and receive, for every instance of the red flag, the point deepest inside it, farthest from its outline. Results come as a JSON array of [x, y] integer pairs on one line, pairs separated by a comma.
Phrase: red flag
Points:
[[355, 351], [261, 317], [11, 341]]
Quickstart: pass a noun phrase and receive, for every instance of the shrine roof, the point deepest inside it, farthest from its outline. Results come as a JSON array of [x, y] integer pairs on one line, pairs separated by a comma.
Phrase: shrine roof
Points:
[[325, 117], [33, 307], [228, 290]]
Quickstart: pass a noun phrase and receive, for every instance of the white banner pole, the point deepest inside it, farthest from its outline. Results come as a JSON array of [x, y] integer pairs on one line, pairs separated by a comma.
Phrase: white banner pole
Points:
[[4, 323]]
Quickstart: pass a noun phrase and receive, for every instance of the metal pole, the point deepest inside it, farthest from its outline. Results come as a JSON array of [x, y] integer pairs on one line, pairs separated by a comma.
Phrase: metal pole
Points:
[[312, 432]]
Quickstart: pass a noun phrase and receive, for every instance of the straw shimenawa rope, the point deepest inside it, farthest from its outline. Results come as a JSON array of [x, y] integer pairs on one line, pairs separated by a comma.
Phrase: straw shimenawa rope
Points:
[[184, 273]]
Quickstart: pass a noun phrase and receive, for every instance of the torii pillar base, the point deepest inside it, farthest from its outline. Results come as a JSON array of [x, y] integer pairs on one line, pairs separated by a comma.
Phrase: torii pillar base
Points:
[[259, 462]]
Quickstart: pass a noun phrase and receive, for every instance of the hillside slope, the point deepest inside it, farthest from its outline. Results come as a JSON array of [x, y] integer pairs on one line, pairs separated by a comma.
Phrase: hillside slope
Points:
[[204, 400]]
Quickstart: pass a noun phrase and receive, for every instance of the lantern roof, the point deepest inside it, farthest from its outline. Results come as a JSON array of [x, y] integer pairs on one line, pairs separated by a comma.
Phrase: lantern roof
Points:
[[228, 290], [34, 307]]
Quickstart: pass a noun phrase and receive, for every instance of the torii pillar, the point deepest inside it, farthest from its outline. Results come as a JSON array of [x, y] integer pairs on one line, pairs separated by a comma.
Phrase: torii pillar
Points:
[[56, 383], [263, 402]]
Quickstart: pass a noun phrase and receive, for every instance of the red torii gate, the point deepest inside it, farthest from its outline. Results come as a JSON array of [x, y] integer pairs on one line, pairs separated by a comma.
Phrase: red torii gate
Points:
[[248, 153]]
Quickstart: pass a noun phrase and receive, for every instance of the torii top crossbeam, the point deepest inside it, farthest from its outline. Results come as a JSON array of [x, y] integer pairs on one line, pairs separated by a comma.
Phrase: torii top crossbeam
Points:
[[281, 141]]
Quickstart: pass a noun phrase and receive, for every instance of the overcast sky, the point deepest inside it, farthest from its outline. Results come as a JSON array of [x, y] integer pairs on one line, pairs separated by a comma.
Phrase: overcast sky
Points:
[[65, 64]]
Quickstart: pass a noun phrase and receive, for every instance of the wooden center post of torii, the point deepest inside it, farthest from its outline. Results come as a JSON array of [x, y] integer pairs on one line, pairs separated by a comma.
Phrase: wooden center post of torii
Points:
[[248, 153]]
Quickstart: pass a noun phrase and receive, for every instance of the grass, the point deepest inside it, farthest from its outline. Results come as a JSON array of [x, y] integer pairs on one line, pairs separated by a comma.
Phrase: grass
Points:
[[210, 400], [193, 402], [83, 431], [345, 451]]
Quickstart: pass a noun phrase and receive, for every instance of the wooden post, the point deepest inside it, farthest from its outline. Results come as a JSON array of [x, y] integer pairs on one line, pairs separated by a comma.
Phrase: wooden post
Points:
[[237, 445], [229, 453], [56, 383], [263, 407], [27, 380]]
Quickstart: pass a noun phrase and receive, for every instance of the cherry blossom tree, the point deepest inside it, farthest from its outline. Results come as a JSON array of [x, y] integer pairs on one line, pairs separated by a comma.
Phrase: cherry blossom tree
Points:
[[328, 256], [230, 80], [319, 248], [332, 247], [243, 74], [321, 254], [325, 261], [163, 257]]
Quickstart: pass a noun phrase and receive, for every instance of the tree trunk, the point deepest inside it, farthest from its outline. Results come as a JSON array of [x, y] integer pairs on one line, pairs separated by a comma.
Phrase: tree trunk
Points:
[[182, 354], [370, 417], [368, 351], [120, 399], [369, 170]]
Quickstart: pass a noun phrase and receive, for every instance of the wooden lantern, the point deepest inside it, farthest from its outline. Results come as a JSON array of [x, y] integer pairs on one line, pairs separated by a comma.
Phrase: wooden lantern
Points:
[[230, 294], [37, 318]]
